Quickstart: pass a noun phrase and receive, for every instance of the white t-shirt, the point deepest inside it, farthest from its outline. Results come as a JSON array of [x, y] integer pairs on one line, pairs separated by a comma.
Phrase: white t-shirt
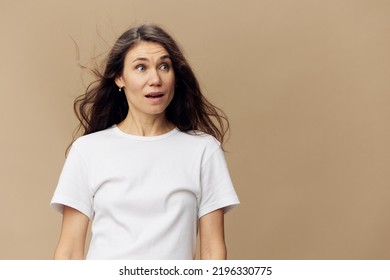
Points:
[[144, 194]]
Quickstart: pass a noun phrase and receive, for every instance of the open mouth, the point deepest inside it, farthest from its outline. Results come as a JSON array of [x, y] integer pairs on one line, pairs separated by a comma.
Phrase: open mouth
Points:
[[154, 95]]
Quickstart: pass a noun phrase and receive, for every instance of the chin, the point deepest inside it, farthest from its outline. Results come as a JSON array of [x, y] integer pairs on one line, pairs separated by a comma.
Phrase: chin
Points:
[[156, 112]]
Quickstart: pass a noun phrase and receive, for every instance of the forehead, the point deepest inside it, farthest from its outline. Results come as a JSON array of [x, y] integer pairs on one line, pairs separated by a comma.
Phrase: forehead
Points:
[[149, 50]]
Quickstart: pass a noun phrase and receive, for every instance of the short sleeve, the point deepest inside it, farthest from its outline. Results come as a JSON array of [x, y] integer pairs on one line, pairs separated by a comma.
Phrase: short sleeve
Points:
[[73, 187], [217, 189]]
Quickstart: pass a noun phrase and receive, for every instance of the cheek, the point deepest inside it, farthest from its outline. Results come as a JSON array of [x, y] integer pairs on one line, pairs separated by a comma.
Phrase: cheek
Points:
[[170, 82], [133, 84]]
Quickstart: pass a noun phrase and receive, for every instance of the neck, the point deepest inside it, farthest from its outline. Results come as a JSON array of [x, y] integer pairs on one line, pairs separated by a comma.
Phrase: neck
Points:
[[146, 126]]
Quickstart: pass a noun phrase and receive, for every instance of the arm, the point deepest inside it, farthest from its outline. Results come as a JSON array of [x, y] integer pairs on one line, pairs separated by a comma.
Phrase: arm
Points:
[[212, 236], [73, 234]]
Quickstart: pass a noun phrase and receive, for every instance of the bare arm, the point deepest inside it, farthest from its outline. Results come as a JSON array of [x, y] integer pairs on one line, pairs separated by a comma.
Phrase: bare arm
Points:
[[73, 234], [212, 236]]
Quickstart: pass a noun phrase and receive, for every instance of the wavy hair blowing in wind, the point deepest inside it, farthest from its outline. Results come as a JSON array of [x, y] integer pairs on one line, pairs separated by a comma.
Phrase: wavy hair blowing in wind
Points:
[[103, 105]]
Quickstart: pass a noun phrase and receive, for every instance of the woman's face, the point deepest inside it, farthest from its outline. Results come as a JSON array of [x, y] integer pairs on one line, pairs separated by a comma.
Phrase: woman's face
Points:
[[148, 79]]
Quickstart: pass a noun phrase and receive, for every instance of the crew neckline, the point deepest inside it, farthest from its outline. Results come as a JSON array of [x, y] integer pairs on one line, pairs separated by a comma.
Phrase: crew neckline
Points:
[[117, 130]]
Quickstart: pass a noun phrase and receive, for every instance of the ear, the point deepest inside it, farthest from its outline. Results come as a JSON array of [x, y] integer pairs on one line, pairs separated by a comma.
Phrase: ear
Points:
[[119, 82]]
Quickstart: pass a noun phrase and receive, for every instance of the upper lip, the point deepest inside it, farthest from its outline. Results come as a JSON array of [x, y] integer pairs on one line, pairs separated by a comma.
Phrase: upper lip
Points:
[[155, 93]]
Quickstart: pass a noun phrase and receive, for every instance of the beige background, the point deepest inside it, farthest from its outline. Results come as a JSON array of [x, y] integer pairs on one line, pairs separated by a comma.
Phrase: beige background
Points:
[[305, 84]]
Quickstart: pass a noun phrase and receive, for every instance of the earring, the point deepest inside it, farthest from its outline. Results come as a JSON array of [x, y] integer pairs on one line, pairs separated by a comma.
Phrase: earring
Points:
[[120, 89]]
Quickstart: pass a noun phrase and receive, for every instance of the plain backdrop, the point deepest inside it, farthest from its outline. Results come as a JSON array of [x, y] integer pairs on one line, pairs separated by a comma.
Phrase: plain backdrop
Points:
[[305, 84]]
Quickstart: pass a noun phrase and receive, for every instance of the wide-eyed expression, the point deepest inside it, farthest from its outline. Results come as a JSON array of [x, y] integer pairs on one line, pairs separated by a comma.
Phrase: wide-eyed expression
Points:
[[148, 79]]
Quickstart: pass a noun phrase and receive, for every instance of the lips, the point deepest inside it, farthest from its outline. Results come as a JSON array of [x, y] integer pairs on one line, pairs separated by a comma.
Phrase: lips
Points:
[[154, 95]]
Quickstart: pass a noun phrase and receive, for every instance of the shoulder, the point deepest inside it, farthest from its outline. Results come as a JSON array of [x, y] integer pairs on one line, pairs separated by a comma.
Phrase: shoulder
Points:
[[200, 138], [200, 143], [93, 140]]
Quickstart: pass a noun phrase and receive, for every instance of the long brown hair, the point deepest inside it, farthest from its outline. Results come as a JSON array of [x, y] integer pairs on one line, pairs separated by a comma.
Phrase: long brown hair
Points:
[[103, 106]]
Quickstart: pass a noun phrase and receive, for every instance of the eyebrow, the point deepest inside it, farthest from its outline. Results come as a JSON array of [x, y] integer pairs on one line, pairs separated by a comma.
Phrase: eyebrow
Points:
[[145, 59]]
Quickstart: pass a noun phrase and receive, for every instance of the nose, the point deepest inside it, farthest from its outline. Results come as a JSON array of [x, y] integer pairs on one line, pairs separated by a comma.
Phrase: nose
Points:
[[154, 78]]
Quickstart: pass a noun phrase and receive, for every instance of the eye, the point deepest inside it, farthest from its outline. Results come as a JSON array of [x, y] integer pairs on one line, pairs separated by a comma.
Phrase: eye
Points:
[[165, 66], [140, 67]]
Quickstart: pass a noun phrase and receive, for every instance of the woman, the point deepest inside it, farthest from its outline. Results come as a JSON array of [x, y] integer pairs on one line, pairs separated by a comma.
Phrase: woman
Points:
[[149, 171]]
